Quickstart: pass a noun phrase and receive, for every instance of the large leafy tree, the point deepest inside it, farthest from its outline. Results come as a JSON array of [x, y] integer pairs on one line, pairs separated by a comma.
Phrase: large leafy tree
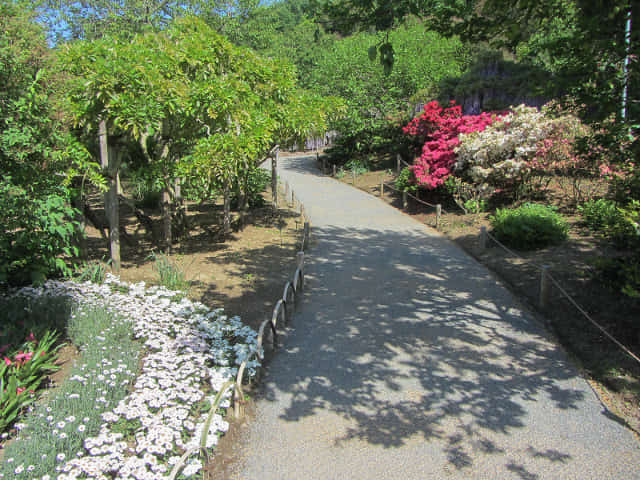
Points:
[[192, 101]]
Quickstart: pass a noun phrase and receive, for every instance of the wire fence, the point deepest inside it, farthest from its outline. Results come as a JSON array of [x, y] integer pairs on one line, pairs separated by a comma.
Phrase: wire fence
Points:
[[546, 279], [267, 333], [544, 291]]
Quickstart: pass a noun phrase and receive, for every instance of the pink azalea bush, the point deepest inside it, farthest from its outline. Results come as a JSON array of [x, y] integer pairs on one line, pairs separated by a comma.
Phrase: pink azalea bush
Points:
[[440, 129]]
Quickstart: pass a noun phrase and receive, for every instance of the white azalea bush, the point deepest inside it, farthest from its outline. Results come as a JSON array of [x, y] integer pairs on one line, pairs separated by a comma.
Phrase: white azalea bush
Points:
[[191, 352], [499, 155]]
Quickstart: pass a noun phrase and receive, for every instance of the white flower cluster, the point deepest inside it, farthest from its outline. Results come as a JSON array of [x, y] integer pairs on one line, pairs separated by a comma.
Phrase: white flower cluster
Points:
[[190, 348], [499, 153]]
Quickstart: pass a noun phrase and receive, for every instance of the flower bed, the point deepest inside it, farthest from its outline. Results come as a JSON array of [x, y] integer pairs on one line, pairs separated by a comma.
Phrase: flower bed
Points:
[[191, 352]]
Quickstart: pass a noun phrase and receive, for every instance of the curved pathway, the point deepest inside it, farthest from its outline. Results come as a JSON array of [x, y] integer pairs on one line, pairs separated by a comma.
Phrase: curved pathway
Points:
[[408, 360]]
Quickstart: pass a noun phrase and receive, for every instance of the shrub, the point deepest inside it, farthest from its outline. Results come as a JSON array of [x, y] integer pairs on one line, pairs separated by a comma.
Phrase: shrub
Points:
[[529, 226], [441, 128], [36, 233], [498, 155], [406, 180], [604, 216], [257, 181], [146, 188]]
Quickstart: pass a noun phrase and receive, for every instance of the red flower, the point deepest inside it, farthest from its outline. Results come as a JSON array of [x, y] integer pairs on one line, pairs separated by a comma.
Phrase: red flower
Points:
[[7, 361], [19, 390]]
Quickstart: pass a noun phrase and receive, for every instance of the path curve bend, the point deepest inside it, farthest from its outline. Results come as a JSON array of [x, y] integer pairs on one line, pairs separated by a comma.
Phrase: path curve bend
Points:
[[408, 360]]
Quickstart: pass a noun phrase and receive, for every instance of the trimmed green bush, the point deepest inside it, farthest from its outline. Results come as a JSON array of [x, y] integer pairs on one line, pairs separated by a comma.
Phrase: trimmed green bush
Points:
[[529, 227]]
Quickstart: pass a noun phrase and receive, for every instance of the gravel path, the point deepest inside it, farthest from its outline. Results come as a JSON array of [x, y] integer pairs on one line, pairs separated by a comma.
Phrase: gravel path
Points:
[[408, 360]]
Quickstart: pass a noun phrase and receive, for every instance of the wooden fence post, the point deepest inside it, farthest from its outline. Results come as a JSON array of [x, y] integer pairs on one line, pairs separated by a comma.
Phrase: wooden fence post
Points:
[[274, 178], [353, 176], [307, 231], [381, 187], [405, 200], [482, 241], [438, 215], [398, 160], [545, 287], [334, 169]]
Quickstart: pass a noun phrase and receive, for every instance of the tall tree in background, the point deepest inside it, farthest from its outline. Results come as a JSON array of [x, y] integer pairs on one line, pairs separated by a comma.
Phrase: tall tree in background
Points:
[[585, 43]]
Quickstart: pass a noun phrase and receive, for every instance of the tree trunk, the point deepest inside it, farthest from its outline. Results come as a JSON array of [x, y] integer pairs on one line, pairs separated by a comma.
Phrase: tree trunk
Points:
[[274, 178], [113, 212], [166, 217], [226, 219], [110, 162]]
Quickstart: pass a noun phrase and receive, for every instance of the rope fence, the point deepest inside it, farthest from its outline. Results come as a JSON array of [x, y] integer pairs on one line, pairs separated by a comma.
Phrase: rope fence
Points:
[[544, 290], [546, 279], [281, 313]]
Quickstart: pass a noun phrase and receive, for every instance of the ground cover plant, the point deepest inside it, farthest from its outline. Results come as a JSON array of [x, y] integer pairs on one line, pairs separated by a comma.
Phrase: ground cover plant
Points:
[[107, 422]]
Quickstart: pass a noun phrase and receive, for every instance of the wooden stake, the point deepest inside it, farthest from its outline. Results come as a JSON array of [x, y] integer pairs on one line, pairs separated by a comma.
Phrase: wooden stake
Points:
[[438, 215], [482, 240], [405, 201], [545, 287]]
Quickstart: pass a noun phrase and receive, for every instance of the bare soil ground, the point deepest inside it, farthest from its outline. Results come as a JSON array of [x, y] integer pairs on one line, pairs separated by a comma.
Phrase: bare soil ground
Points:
[[612, 374], [244, 273]]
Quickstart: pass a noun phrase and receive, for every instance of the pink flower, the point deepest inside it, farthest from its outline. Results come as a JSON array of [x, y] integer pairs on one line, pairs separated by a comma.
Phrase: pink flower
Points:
[[7, 361], [23, 357]]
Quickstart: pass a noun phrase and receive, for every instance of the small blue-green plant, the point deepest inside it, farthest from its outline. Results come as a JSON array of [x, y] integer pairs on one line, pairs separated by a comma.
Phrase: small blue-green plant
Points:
[[94, 272], [170, 274], [475, 205]]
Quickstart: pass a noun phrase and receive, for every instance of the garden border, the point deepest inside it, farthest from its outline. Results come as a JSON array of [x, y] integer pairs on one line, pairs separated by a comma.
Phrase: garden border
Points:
[[292, 289], [544, 290]]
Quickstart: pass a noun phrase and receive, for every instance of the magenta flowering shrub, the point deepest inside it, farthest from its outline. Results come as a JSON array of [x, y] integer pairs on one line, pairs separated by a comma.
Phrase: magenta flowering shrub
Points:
[[440, 129]]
